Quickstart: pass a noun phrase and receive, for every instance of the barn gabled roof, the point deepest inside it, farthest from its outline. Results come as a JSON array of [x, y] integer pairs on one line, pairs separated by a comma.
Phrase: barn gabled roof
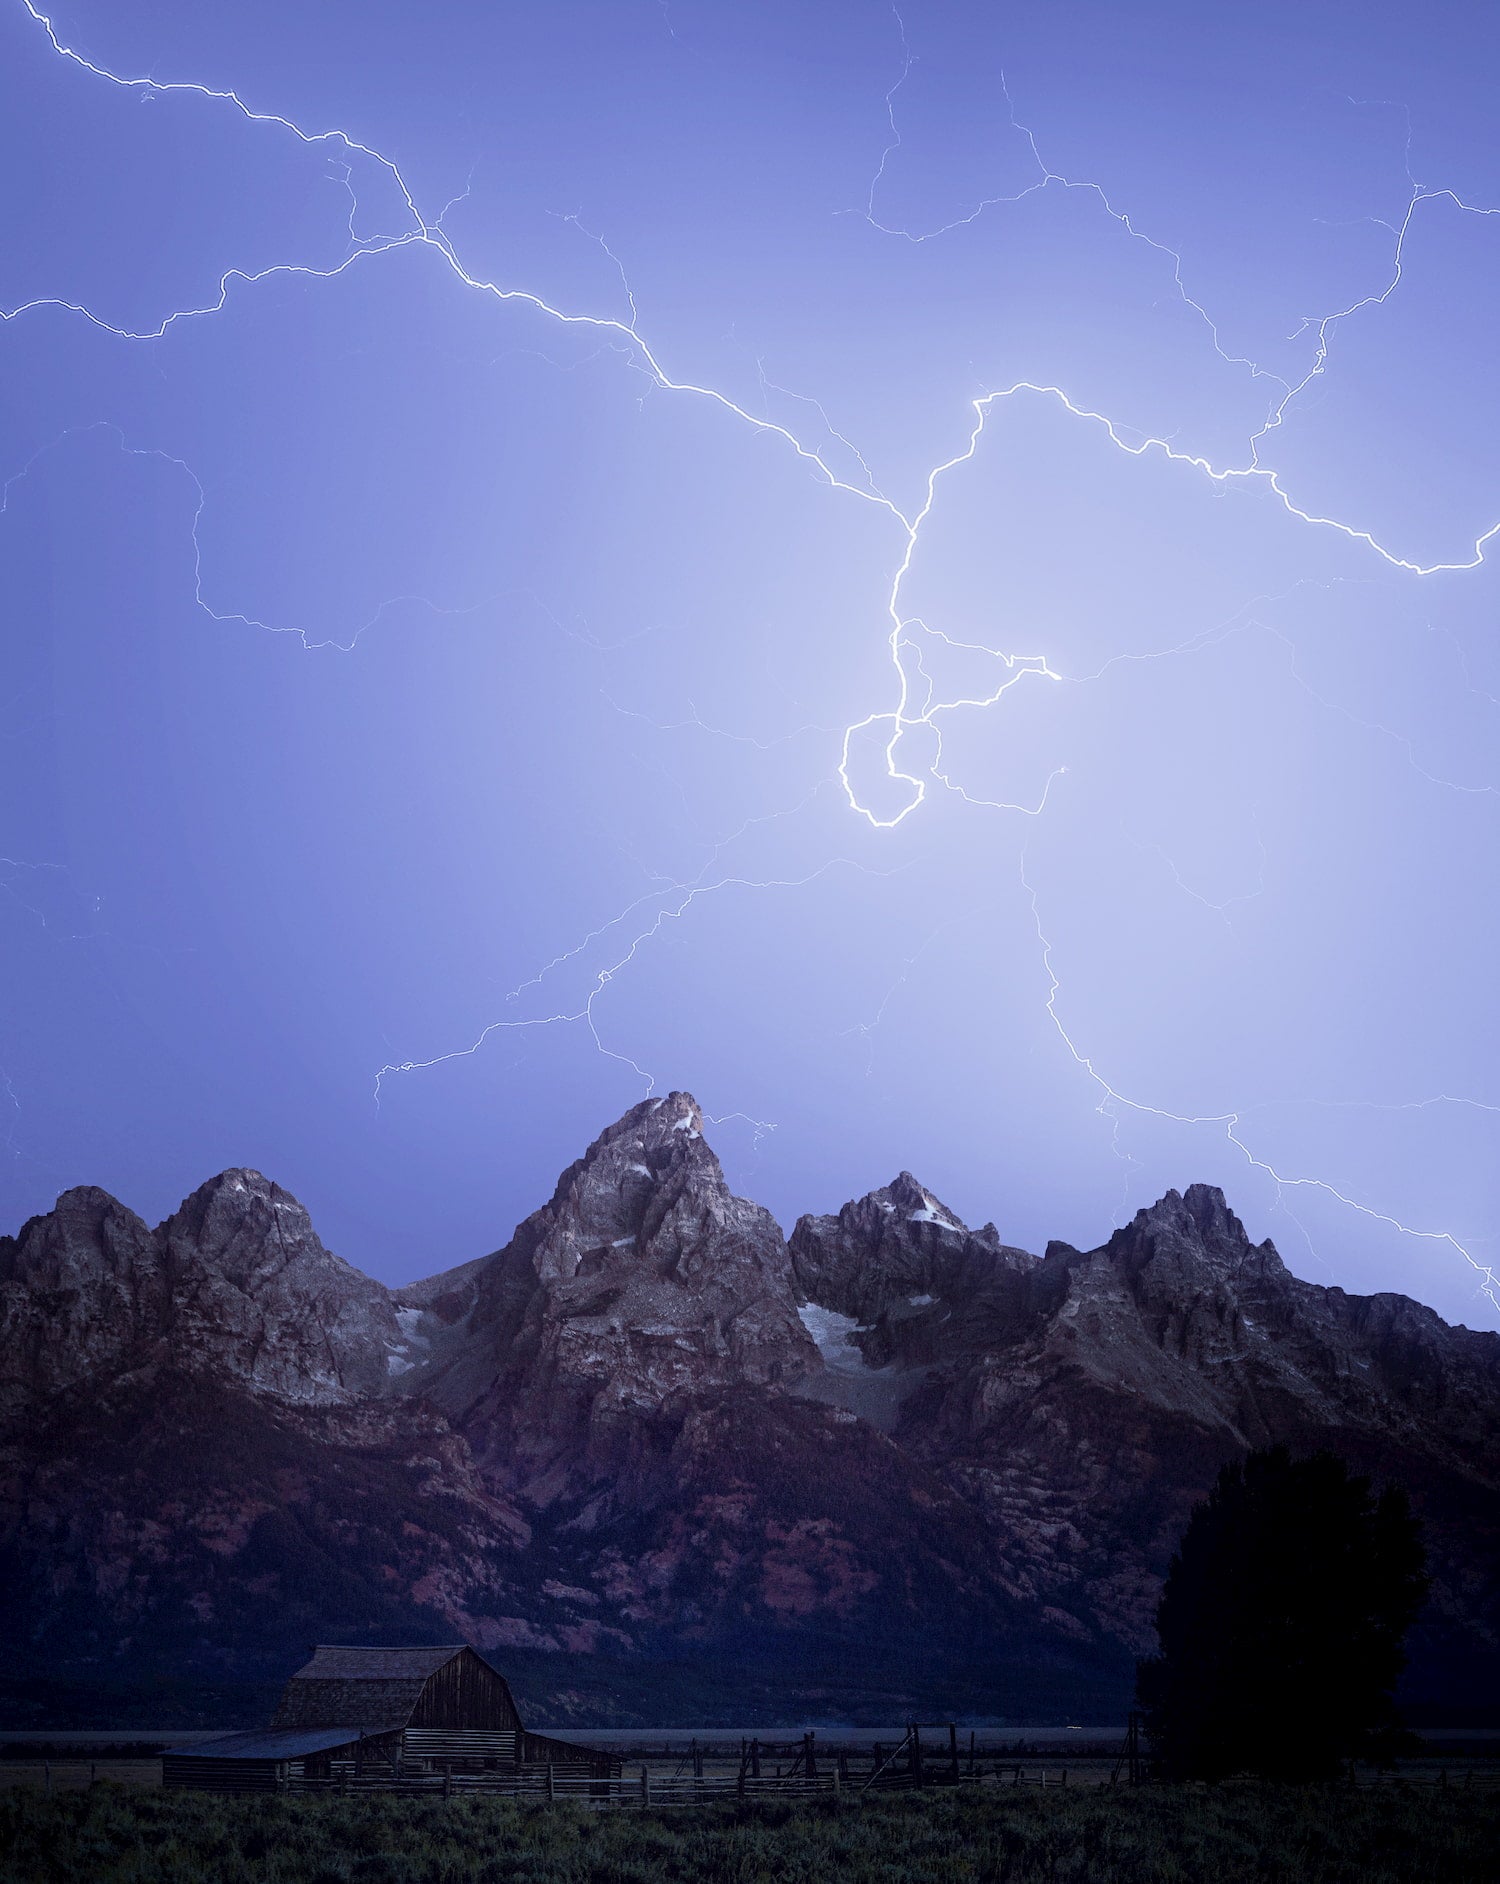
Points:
[[334, 1662], [371, 1688]]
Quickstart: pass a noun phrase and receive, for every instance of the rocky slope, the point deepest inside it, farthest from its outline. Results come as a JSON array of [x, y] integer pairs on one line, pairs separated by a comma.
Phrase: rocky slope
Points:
[[235, 1287], [666, 1462], [1082, 1402], [642, 1281]]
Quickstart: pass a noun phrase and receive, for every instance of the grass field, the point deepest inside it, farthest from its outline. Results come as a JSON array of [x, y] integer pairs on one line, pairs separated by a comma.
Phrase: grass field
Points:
[[1233, 1834]]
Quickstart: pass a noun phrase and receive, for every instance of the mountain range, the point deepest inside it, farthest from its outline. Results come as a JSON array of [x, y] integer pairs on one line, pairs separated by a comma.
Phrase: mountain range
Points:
[[665, 1464]]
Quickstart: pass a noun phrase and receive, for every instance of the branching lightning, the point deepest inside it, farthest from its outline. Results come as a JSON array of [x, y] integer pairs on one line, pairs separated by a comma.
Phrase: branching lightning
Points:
[[1113, 1102], [918, 709], [674, 905]]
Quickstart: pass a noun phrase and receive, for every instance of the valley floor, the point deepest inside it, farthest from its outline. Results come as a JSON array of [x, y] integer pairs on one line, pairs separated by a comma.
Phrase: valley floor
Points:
[[1233, 1834]]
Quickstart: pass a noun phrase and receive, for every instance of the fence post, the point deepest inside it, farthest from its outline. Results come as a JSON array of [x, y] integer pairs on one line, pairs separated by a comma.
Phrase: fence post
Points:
[[953, 1748], [551, 1783], [1129, 1757], [916, 1754], [645, 1786]]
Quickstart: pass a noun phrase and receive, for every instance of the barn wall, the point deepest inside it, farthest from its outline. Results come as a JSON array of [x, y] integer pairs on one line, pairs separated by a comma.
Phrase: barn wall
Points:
[[465, 1692], [222, 1775]]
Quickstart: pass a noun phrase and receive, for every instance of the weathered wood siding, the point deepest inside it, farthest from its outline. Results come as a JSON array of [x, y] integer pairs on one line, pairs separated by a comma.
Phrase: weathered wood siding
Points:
[[465, 1692], [224, 1775]]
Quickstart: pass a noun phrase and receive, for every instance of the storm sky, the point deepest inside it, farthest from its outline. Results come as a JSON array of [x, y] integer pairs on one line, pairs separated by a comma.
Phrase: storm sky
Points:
[[921, 575]]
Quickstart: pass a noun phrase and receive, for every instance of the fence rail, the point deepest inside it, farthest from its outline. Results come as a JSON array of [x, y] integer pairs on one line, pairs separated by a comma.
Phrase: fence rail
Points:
[[649, 1791], [1471, 1780]]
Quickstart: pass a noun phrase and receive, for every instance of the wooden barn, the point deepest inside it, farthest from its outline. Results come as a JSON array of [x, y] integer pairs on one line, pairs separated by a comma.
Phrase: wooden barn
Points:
[[367, 1713]]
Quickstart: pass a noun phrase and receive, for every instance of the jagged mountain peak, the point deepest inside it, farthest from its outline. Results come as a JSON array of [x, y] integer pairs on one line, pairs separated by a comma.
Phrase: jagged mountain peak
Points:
[[239, 1180], [87, 1229], [251, 1230], [894, 1245], [1195, 1227], [1202, 1206], [236, 1208], [1182, 1234], [643, 1278], [234, 1286], [256, 1293], [906, 1195], [81, 1292], [621, 1192], [660, 1118]]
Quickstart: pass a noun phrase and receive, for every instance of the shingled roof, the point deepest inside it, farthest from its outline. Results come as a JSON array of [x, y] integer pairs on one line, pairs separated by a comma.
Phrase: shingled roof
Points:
[[371, 1688]]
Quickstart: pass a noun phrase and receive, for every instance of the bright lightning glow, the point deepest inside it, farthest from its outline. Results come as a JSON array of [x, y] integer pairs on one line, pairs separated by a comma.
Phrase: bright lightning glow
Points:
[[917, 707]]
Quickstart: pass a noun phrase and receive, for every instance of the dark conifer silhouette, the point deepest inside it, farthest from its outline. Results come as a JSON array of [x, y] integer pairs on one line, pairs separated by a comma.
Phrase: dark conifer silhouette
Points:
[[1281, 1622]]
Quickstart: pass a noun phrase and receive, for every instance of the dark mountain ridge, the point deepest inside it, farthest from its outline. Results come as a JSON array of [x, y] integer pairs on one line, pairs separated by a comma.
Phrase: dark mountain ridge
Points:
[[666, 1462]]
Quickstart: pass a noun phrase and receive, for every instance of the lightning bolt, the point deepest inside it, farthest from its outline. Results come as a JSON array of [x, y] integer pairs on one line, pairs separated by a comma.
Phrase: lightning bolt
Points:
[[917, 707], [13, 1106], [1112, 1102], [675, 904]]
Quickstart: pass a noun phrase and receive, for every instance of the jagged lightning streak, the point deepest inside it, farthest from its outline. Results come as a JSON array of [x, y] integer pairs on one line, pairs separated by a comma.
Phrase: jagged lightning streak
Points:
[[1322, 327], [1045, 178], [421, 234], [17, 870], [225, 618], [676, 903], [1403, 740], [1112, 1101], [866, 1030], [909, 714], [13, 1113], [1222, 909], [430, 235]]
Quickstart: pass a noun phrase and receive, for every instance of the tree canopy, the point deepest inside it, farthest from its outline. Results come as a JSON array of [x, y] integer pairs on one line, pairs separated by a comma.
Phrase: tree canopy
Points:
[[1281, 1621]]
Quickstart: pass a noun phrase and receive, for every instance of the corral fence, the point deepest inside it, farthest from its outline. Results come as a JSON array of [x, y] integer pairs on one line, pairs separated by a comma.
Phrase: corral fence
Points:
[[1471, 1780], [702, 1775]]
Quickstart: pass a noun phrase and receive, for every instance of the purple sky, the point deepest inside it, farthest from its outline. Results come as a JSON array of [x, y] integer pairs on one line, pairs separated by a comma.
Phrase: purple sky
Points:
[[919, 575]]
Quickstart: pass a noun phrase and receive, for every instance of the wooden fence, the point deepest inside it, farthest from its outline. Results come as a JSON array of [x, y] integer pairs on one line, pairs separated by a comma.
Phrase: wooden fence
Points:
[[763, 1769], [645, 1791]]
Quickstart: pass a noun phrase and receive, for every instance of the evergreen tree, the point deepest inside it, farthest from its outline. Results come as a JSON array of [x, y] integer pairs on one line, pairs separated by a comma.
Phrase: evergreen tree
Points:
[[1281, 1622]]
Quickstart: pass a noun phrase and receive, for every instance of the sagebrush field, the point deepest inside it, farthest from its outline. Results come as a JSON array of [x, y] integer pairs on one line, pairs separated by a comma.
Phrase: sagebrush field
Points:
[[1233, 1834]]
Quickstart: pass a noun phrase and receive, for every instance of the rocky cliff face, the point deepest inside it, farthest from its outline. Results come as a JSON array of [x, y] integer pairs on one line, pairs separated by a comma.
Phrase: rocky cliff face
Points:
[[902, 1266], [235, 1285], [665, 1461], [641, 1282], [1083, 1402]]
